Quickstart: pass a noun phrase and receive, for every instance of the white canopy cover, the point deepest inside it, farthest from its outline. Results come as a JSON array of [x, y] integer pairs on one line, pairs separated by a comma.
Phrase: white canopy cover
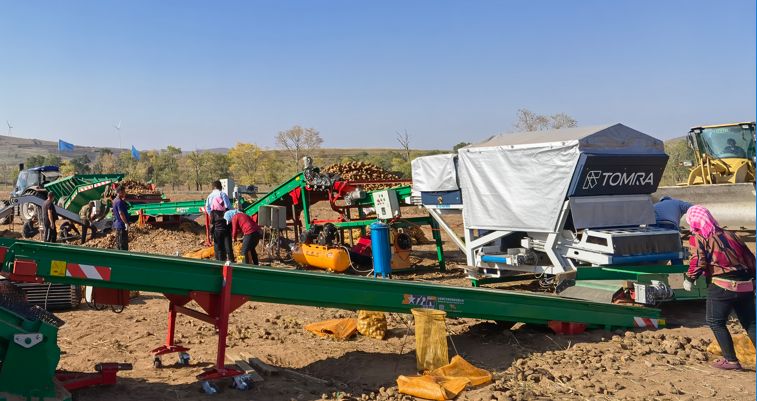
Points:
[[435, 173], [518, 182]]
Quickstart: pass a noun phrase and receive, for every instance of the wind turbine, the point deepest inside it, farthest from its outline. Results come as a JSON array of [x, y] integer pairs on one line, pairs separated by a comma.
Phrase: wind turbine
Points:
[[118, 131], [10, 127]]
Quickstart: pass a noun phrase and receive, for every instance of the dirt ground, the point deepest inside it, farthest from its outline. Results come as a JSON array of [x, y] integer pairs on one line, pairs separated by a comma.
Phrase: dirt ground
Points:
[[528, 362]]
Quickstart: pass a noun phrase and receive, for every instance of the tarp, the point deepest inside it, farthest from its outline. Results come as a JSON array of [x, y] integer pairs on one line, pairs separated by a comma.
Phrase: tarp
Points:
[[339, 329], [435, 173], [444, 383], [518, 182]]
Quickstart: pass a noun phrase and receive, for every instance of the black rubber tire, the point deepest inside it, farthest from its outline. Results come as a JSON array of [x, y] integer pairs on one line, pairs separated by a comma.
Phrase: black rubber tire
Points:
[[29, 210], [7, 219]]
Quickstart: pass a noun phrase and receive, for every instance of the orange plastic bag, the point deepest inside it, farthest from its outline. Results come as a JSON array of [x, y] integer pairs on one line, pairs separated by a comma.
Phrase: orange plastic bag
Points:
[[743, 346], [459, 367], [340, 329], [445, 382], [432, 387]]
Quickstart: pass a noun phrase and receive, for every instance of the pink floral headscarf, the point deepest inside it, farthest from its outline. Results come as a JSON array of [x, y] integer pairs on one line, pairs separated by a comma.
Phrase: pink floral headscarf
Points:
[[701, 221]]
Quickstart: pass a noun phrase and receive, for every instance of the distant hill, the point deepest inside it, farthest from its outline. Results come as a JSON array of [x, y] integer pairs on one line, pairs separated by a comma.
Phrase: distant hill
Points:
[[14, 150]]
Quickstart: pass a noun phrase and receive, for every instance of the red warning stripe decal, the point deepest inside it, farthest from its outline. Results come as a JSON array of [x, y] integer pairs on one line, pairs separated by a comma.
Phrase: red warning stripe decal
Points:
[[88, 271]]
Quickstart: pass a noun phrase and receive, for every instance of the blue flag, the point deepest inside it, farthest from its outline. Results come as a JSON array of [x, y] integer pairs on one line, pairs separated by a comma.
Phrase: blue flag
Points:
[[64, 146], [134, 152]]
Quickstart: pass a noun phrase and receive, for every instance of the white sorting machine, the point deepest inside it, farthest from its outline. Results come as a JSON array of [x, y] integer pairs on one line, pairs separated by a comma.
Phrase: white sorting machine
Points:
[[551, 201]]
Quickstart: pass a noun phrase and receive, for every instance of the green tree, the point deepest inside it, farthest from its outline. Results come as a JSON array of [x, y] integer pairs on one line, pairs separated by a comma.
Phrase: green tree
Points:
[[80, 164], [193, 164], [39, 160], [105, 163], [459, 146], [678, 152], [34, 161], [245, 161], [67, 168], [53, 160], [169, 163], [216, 166]]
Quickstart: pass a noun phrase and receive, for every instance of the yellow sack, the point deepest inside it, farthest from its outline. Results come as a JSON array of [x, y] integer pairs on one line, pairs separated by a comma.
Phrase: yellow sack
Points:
[[432, 387], [371, 324], [459, 367], [340, 329], [430, 339], [210, 253], [743, 346]]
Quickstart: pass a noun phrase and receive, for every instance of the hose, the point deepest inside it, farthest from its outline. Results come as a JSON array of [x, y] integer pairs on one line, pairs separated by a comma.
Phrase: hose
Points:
[[352, 265]]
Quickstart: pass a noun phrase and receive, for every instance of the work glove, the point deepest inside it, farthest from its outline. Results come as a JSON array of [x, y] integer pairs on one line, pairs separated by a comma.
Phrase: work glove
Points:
[[687, 285]]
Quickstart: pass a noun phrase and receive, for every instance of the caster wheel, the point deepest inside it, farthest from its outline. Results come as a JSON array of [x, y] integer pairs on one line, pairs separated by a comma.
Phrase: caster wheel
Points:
[[208, 388], [183, 359], [157, 363], [241, 383]]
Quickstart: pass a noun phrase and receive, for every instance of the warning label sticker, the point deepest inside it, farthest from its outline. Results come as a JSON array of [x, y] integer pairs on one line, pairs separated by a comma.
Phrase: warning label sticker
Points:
[[58, 268]]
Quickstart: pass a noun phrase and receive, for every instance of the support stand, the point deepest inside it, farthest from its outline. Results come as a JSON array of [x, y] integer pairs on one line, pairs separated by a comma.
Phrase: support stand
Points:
[[217, 309]]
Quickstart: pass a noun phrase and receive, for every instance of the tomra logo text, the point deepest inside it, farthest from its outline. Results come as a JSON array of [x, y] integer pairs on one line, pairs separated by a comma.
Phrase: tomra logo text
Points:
[[595, 177]]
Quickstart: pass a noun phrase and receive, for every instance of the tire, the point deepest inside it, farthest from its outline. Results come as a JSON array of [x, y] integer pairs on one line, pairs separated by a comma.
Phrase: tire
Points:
[[9, 218], [28, 210]]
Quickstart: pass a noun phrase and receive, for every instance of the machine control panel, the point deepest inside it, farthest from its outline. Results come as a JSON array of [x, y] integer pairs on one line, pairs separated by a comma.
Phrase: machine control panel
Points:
[[386, 203]]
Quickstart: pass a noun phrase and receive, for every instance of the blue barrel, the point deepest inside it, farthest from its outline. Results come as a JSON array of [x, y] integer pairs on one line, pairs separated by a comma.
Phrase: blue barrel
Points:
[[382, 255]]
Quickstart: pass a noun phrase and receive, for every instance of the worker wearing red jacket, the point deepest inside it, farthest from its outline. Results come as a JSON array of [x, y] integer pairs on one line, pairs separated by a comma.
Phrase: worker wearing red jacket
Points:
[[251, 234]]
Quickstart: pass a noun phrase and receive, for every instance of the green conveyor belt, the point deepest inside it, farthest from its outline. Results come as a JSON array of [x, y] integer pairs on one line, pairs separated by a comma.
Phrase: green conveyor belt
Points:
[[168, 208], [174, 275]]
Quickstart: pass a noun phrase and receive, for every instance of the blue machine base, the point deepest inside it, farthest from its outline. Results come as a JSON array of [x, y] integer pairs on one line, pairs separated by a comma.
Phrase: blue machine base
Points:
[[441, 198]]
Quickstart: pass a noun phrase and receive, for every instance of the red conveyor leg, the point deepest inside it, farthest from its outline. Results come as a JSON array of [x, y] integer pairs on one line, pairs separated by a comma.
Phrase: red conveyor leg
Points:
[[169, 346], [224, 309]]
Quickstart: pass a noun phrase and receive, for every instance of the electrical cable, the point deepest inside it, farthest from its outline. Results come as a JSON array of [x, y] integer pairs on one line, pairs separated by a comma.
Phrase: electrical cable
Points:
[[47, 293]]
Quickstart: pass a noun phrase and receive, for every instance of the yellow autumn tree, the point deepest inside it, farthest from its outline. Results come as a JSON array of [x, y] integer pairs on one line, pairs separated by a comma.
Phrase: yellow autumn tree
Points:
[[246, 159]]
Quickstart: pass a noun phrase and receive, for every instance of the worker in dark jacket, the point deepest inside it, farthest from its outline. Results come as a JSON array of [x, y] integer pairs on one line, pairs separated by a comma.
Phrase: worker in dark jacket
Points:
[[49, 217], [729, 268], [251, 234], [121, 219], [221, 231]]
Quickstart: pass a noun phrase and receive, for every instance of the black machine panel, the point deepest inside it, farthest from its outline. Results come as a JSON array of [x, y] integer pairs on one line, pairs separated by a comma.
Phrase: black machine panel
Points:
[[599, 174]]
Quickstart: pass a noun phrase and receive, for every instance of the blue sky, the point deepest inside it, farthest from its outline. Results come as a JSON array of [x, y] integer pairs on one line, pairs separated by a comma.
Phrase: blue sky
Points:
[[210, 74]]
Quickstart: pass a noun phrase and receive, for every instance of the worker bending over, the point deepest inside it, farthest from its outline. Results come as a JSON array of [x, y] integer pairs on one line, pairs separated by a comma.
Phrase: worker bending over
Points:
[[728, 265], [87, 214], [668, 212], [251, 234]]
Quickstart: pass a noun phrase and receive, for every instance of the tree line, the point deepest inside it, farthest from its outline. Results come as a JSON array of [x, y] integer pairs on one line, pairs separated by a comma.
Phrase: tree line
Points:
[[248, 163]]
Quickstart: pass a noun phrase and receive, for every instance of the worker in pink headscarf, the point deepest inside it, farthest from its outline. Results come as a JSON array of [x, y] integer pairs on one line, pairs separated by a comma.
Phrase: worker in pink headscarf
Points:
[[729, 268]]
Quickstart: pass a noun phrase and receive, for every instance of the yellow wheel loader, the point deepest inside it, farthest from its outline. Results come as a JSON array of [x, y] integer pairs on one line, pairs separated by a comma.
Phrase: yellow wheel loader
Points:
[[722, 174]]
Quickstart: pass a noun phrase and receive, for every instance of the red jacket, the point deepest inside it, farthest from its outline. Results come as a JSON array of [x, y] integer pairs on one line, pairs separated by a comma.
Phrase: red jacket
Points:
[[244, 223]]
